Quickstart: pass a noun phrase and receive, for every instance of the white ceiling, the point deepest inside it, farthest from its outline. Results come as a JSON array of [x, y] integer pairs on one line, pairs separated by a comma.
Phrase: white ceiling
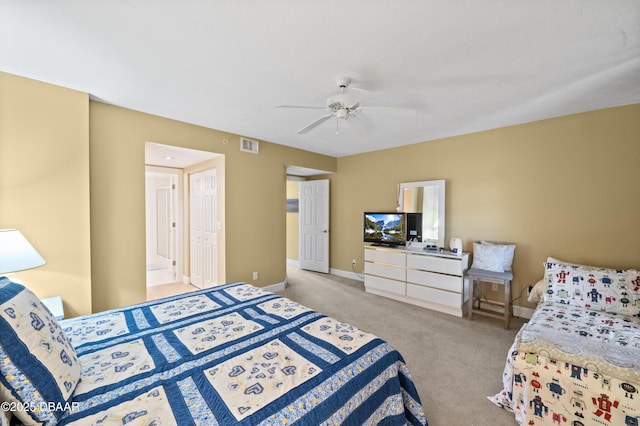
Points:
[[464, 66], [156, 154]]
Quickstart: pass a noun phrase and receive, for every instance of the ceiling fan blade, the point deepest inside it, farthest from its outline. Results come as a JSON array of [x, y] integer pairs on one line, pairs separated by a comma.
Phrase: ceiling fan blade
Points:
[[354, 96], [357, 124], [315, 124], [301, 106], [396, 112]]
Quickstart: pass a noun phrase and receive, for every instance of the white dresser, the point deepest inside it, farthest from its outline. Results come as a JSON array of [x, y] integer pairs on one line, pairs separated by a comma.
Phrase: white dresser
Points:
[[429, 279]]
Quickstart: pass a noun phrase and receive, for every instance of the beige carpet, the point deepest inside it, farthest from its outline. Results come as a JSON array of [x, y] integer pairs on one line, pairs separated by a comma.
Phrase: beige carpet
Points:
[[455, 363]]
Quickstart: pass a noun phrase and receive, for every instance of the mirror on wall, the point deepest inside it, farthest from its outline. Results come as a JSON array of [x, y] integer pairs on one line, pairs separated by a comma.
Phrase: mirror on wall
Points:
[[426, 197]]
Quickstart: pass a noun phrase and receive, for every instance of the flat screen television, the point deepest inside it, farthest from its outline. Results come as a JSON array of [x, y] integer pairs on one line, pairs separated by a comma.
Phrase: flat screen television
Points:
[[385, 228]]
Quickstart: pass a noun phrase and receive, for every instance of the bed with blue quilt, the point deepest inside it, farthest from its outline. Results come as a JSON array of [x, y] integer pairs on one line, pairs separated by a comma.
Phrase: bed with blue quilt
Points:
[[231, 354]]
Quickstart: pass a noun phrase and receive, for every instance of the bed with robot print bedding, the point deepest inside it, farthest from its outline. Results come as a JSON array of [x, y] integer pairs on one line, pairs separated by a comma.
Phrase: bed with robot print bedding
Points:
[[577, 361], [231, 354]]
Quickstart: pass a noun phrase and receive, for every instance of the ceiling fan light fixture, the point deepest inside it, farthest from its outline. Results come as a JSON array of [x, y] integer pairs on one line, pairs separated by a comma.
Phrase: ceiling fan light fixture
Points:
[[342, 113], [346, 106]]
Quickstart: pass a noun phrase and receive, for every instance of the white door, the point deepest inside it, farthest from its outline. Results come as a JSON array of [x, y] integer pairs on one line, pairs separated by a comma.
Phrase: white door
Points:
[[203, 230], [314, 225], [209, 230]]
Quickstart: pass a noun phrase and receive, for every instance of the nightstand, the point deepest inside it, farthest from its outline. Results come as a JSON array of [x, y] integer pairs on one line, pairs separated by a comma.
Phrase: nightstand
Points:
[[54, 304], [502, 278]]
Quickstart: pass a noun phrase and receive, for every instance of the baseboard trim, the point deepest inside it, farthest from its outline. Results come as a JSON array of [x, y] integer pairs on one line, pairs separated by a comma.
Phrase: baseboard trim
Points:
[[346, 274], [333, 271], [275, 287], [518, 311], [523, 312]]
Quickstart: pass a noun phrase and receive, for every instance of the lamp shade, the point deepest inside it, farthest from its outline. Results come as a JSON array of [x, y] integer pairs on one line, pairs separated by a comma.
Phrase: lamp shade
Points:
[[16, 253]]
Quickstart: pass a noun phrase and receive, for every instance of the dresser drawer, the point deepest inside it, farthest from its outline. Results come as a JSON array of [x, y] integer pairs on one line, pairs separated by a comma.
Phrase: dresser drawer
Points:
[[434, 295], [385, 256], [386, 271], [433, 280], [435, 264], [383, 284], [442, 281]]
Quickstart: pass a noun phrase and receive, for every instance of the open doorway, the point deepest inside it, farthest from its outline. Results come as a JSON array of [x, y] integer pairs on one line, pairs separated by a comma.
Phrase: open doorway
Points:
[[293, 221], [168, 206], [294, 239], [163, 207]]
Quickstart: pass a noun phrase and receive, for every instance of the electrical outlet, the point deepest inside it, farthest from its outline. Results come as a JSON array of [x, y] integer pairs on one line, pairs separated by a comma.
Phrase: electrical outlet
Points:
[[255, 275], [494, 287], [353, 262]]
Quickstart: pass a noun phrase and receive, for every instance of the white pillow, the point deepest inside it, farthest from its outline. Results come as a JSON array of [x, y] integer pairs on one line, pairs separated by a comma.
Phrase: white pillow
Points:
[[488, 257], [509, 252]]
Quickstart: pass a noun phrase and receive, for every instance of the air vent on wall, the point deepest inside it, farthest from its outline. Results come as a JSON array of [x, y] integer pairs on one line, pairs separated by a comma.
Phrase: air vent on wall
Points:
[[248, 145]]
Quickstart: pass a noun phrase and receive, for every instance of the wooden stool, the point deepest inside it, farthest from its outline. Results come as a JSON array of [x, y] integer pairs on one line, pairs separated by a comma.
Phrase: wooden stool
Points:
[[503, 278]]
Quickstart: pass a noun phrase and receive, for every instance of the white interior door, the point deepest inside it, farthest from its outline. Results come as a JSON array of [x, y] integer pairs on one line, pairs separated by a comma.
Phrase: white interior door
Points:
[[195, 230], [203, 229], [210, 203], [314, 225]]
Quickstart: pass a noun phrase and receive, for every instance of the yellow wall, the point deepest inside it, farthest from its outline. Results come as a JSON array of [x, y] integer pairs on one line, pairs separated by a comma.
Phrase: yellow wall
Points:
[[92, 232], [254, 200], [44, 184], [565, 187]]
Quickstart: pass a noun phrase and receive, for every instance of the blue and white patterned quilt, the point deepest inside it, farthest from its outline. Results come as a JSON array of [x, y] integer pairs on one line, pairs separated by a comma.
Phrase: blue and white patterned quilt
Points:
[[234, 354]]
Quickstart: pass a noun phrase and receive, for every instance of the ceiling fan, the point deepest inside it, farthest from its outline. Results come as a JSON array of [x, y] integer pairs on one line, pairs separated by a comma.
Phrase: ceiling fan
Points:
[[346, 106]]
